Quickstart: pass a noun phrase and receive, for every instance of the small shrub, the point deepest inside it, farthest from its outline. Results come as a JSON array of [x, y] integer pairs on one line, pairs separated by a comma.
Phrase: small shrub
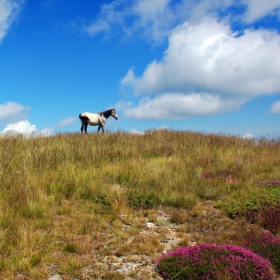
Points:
[[143, 200], [266, 245], [243, 206], [253, 202], [35, 260], [178, 217], [207, 261], [70, 248], [270, 219], [102, 197]]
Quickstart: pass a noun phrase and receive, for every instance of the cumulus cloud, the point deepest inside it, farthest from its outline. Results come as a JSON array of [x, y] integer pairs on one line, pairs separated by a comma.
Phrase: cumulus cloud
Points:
[[20, 127], [12, 111], [275, 107], [14, 115], [67, 121], [209, 69], [25, 127], [9, 10], [178, 106], [211, 57]]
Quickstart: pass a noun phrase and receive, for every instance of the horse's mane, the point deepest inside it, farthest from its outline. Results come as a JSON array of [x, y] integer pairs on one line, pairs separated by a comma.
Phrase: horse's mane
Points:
[[106, 113]]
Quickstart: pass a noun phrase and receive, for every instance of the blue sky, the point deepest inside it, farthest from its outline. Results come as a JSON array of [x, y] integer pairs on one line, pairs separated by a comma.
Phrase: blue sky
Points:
[[210, 66]]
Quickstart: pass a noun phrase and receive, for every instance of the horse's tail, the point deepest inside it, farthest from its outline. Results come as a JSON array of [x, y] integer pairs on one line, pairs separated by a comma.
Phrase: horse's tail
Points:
[[83, 118]]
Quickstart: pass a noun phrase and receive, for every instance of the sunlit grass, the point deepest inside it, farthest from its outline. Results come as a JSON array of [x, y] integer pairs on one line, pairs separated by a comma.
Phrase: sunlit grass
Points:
[[60, 192]]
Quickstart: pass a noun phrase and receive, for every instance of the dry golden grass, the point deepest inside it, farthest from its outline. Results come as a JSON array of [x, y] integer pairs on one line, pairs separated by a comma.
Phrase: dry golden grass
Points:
[[73, 199]]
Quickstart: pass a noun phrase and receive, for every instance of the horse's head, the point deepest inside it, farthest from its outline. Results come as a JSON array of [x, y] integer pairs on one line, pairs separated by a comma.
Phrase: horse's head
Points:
[[114, 114]]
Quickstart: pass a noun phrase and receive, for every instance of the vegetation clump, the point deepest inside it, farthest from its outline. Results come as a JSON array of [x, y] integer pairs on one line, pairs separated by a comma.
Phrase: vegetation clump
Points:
[[263, 199], [267, 245], [269, 218], [210, 261]]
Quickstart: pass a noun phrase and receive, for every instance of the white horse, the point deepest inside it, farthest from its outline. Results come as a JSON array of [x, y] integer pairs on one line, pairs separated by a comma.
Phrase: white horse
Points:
[[96, 119]]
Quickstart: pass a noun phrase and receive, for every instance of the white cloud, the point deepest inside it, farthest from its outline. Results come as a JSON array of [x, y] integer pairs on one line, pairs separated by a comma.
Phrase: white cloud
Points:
[[135, 131], [207, 57], [9, 10], [20, 127], [46, 131], [257, 9], [210, 57], [200, 9], [25, 127], [249, 10], [178, 106], [248, 136], [67, 121], [12, 111], [275, 107], [129, 79], [164, 127], [14, 115], [156, 19], [207, 68], [111, 14]]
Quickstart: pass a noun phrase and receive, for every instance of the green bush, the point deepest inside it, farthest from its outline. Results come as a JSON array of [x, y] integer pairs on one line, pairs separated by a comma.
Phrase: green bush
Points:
[[137, 199]]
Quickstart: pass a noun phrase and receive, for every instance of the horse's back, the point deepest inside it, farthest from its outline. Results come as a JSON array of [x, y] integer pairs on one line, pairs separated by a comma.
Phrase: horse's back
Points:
[[92, 119]]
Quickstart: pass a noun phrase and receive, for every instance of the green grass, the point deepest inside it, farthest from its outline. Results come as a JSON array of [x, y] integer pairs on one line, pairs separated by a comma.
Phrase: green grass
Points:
[[64, 194]]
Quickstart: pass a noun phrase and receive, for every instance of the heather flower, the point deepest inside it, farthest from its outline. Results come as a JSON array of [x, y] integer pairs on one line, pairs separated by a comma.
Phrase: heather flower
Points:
[[223, 172], [267, 245], [270, 182], [208, 260], [270, 219], [220, 173], [208, 175]]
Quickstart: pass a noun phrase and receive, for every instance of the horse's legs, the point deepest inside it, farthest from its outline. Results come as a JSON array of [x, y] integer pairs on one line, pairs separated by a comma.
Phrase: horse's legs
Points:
[[86, 125], [100, 127]]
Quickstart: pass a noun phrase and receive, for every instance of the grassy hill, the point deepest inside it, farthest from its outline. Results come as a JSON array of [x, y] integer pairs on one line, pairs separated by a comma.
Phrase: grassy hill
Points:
[[71, 200]]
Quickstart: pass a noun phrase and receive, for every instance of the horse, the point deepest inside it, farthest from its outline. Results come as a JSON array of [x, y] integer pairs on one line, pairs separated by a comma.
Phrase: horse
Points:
[[96, 119]]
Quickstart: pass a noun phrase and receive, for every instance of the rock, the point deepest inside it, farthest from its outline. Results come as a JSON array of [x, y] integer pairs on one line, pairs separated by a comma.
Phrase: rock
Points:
[[112, 259], [128, 267], [53, 272], [150, 225], [22, 276], [55, 277]]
